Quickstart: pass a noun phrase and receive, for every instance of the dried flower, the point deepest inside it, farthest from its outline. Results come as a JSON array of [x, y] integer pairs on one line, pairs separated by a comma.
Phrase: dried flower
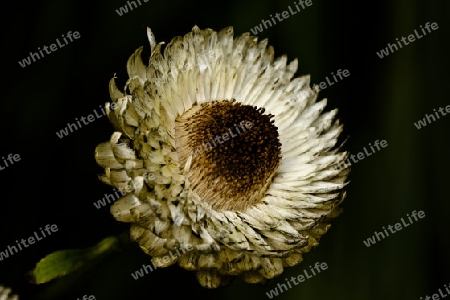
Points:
[[5, 294], [251, 202]]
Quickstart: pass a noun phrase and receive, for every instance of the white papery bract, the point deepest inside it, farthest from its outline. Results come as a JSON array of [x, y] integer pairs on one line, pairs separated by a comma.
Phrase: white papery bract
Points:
[[5, 294]]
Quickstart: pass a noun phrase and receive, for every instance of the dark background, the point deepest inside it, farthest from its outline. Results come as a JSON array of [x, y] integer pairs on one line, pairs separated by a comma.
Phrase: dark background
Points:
[[56, 182]]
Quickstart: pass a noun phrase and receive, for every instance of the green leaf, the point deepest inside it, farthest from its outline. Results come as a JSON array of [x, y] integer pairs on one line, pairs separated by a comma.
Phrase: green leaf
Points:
[[63, 262]]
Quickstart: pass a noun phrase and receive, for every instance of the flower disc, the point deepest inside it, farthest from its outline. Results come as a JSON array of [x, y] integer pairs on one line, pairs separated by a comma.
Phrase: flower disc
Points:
[[235, 152]]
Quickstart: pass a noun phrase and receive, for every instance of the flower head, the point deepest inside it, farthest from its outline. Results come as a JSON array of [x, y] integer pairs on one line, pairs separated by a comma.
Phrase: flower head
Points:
[[218, 147]]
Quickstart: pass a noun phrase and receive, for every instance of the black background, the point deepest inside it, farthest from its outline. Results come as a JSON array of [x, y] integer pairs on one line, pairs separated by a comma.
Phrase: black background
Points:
[[55, 182]]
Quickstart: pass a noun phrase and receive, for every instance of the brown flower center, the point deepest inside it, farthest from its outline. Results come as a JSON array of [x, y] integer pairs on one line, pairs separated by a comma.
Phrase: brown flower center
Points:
[[235, 152]]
